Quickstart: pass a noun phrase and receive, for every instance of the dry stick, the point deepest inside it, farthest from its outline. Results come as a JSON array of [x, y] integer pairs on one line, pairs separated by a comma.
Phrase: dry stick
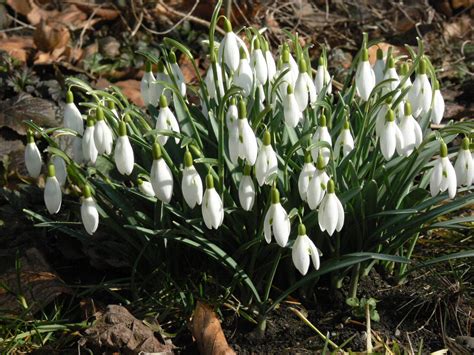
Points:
[[368, 329]]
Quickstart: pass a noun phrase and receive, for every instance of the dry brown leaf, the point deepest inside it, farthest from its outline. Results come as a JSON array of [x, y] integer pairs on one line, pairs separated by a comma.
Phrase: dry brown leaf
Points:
[[208, 333], [396, 51], [98, 10], [131, 89], [17, 47], [23, 7], [49, 37], [188, 70]]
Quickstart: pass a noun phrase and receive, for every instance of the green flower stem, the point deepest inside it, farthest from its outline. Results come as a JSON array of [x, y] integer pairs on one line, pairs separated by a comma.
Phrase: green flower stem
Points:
[[263, 319], [403, 267], [354, 281]]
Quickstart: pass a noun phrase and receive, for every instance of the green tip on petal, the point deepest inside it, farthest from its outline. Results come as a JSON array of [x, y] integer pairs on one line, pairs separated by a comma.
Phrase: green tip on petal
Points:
[[99, 113], [404, 69], [365, 55], [308, 157], [156, 150], [86, 191], [391, 62], [139, 181], [322, 120], [379, 54], [247, 170], [347, 124], [320, 162], [302, 65], [331, 186], [390, 115], [242, 109], [388, 100], [172, 57], [111, 104], [188, 159], [148, 67], [301, 229], [256, 43], [285, 57], [422, 66], [122, 129], [161, 67], [265, 46], [275, 196], [233, 101], [289, 89], [30, 137], [321, 61], [90, 121], [267, 138], [227, 25], [443, 149], [69, 97], [407, 108], [436, 85], [243, 55], [51, 170], [127, 118], [209, 181], [465, 143], [163, 101]]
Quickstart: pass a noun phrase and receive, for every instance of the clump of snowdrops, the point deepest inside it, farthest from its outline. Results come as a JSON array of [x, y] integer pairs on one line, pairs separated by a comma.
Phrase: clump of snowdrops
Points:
[[262, 163]]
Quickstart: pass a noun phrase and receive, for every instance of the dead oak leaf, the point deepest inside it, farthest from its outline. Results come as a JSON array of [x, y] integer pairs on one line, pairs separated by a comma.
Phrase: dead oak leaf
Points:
[[17, 47]]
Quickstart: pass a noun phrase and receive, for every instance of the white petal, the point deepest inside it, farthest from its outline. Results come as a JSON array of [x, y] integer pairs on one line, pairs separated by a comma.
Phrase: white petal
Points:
[[388, 140], [216, 209], [244, 77], [436, 177], [438, 108], [314, 254], [301, 92], [52, 195], [365, 80], [267, 224], [281, 225], [304, 179], [89, 150], [191, 186], [146, 188], [61, 169], [89, 215], [328, 215], [291, 110], [33, 160], [73, 118], [162, 180], [340, 215], [300, 254], [246, 193], [205, 208], [123, 156]]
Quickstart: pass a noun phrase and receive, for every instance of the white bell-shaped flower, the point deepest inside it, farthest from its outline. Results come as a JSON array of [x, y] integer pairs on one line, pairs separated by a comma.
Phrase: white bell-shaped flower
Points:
[[247, 189], [288, 78], [392, 75], [391, 137], [244, 75], [291, 109], [380, 117], [191, 184], [305, 91], [246, 141], [103, 137], [113, 109], [464, 165], [60, 168], [147, 87], [72, 116], [33, 160], [303, 250], [161, 177], [232, 118], [52, 191], [270, 61], [404, 77], [258, 62], [177, 73], [379, 66], [210, 83], [277, 222], [443, 176], [145, 188], [162, 76], [364, 77], [411, 131], [212, 207], [229, 48], [293, 65], [266, 165], [89, 213], [345, 141], [420, 93], [437, 111], [166, 121], [322, 77], [317, 185], [331, 212], [322, 135], [306, 175], [123, 155], [89, 150]]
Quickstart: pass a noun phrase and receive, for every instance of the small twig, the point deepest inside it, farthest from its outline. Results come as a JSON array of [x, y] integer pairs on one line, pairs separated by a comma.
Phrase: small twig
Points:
[[12, 29], [368, 329], [27, 25], [83, 32]]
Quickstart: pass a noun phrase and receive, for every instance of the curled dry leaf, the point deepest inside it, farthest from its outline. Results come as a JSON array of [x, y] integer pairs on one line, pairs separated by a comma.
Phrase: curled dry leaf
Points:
[[208, 333], [48, 37], [17, 47]]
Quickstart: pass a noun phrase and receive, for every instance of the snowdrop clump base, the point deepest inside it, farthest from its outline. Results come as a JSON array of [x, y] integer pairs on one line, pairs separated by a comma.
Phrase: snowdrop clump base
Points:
[[263, 150]]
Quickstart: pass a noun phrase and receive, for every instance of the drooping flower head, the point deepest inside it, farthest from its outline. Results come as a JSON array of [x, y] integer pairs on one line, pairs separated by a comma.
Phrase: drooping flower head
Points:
[[464, 165], [303, 250], [365, 77], [191, 184], [212, 207], [305, 91], [33, 160], [52, 191], [258, 62], [322, 135], [123, 155], [72, 116], [160, 176], [247, 189], [306, 175], [437, 111], [411, 131], [243, 77], [89, 149], [246, 141], [420, 93], [443, 176], [229, 48], [379, 66], [89, 213], [277, 222], [345, 141], [103, 137], [145, 188], [322, 78], [177, 73], [391, 137], [266, 165], [291, 109], [318, 184], [147, 87], [166, 121], [331, 212]]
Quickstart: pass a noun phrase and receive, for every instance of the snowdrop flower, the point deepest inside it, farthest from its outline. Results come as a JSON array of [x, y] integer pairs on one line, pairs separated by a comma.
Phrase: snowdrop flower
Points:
[[411, 131], [266, 165], [276, 222], [147, 87], [288, 78], [391, 137], [420, 93], [317, 184], [293, 65], [33, 159], [291, 109], [123, 155], [380, 117], [163, 76], [305, 90], [232, 118], [52, 191], [322, 77], [245, 141], [211, 87], [303, 250], [322, 135], [113, 109], [103, 137], [89, 213], [244, 76], [89, 150], [306, 175], [166, 121], [365, 77], [258, 63], [464, 165], [379, 66], [437, 111], [404, 70], [191, 184], [161, 177], [72, 116], [331, 212], [344, 141], [212, 207], [145, 188], [443, 176], [229, 48], [178, 74], [247, 190], [269, 60], [391, 74], [61, 169]]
